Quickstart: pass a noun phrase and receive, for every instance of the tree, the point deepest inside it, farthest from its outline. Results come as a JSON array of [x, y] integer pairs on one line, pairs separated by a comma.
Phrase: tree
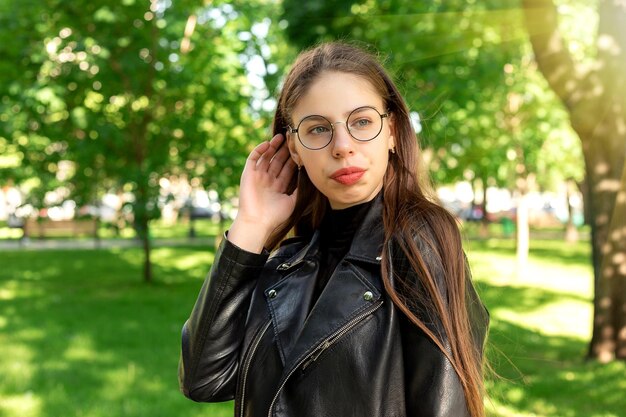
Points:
[[128, 92], [592, 89]]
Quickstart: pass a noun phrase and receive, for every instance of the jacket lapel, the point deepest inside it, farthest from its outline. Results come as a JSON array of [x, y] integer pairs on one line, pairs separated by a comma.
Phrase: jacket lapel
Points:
[[367, 244], [348, 293], [351, 290], [289, 299]]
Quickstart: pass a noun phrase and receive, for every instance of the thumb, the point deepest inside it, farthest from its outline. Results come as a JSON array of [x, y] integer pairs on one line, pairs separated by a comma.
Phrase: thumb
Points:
[[294, 195]]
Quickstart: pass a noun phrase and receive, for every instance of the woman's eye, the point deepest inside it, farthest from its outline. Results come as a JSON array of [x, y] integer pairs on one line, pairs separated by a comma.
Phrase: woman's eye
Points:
[[361, 123], [318, 130]]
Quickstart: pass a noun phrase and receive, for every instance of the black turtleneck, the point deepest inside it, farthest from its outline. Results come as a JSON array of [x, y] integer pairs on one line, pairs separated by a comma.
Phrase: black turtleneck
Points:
[[336, 233]]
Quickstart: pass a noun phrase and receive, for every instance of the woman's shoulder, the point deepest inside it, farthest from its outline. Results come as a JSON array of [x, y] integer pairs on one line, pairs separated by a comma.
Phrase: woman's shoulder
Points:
[[288, 248], [429, 226], [424, 246]]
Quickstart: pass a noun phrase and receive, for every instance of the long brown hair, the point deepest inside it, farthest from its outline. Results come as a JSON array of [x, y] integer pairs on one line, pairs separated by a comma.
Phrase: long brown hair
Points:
[[409, 216]]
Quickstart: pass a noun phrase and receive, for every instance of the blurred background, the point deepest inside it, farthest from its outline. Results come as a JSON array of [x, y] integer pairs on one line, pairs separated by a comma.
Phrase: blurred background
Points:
[[124, 127]]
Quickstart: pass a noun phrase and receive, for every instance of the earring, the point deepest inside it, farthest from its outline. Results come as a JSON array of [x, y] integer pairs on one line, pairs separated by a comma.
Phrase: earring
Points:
[[393, 150]]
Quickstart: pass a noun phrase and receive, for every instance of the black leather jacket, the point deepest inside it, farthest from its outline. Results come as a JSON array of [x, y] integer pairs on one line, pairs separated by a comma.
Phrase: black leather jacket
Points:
[[249, 337]]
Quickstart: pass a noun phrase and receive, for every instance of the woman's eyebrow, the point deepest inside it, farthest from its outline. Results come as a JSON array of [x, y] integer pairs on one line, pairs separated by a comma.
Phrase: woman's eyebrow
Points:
[[345, 114]]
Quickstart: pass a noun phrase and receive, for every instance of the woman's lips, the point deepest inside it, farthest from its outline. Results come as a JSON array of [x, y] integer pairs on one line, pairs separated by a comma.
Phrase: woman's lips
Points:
[[348, 176]]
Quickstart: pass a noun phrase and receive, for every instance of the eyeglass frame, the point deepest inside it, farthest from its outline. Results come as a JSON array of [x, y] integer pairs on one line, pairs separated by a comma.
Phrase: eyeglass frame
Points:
[[332, 126]]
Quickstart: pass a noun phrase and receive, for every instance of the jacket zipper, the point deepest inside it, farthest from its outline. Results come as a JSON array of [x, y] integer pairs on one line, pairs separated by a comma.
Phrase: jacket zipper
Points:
[[322, 347], [248, 362]]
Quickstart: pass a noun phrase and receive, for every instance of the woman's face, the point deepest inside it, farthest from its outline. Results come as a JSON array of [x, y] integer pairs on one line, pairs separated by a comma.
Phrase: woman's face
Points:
[[347, 171]]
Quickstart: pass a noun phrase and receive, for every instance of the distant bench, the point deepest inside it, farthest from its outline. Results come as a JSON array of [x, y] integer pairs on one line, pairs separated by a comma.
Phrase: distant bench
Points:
[[44, 228]]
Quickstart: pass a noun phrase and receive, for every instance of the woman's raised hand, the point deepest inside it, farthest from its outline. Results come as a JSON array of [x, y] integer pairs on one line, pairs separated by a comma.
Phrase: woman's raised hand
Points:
[[263, 202]]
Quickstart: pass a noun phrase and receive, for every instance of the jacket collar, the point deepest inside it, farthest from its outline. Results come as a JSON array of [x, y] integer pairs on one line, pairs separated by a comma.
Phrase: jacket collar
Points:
[[366, 246]]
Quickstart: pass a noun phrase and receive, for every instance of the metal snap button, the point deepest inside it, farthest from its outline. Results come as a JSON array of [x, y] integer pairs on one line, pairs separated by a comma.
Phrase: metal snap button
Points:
[[368, 296], [272, 293], [284, 266]]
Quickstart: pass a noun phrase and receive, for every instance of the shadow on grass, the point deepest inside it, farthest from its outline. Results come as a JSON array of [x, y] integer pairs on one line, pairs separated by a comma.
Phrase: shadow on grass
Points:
[[540, 374], [547, 376], [83, 336], [522, 299]]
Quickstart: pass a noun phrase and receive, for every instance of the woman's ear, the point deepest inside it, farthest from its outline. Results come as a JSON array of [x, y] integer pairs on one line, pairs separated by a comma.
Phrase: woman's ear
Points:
[[291, 143]]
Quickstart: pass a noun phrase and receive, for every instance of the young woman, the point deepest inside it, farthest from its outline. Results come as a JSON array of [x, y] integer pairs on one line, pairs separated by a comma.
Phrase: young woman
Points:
[[369, 310]]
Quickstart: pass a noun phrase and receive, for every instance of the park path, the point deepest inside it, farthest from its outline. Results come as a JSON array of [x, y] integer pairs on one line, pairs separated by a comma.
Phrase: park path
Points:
[[73, 244], [95, 244]]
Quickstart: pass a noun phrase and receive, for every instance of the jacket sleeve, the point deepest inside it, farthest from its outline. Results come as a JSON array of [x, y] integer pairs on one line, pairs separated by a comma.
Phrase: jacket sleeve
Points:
[[432, 386], [213, 334]]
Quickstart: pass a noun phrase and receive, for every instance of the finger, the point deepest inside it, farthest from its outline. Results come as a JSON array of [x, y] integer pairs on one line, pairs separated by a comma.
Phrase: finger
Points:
[[294, 195], [286, 174], [257, 152], [264, 161], [278, 161]]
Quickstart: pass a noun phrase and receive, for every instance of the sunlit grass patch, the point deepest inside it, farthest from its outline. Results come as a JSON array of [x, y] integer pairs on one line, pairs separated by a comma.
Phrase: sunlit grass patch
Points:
[[540, 329], [24, 405]]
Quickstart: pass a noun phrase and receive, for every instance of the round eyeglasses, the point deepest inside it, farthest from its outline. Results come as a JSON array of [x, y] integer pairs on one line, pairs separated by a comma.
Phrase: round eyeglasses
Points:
[[316, 132]]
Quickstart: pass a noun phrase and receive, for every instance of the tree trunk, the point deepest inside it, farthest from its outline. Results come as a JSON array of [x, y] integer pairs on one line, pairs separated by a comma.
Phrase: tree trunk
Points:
[[609, 327], [144, 237], [523, 235], [571, 233], [594, 96], [483, 231], [142, 227], [147, 262]]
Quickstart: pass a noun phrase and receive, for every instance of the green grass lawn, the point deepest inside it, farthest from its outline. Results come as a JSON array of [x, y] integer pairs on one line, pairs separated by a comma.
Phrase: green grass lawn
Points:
[[540, 328], [80, 335]]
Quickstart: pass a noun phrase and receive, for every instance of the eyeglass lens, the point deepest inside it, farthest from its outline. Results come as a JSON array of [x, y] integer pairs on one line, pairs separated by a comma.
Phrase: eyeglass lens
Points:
[[315, 132]]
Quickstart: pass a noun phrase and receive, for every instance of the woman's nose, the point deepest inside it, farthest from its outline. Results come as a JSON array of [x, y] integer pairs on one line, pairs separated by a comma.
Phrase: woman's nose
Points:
[[342, 144]]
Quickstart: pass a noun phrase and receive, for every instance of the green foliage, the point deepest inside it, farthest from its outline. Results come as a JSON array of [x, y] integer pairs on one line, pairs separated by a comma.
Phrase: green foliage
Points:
[[107, 96], [128, 92], [109, 87], [458, 63]]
